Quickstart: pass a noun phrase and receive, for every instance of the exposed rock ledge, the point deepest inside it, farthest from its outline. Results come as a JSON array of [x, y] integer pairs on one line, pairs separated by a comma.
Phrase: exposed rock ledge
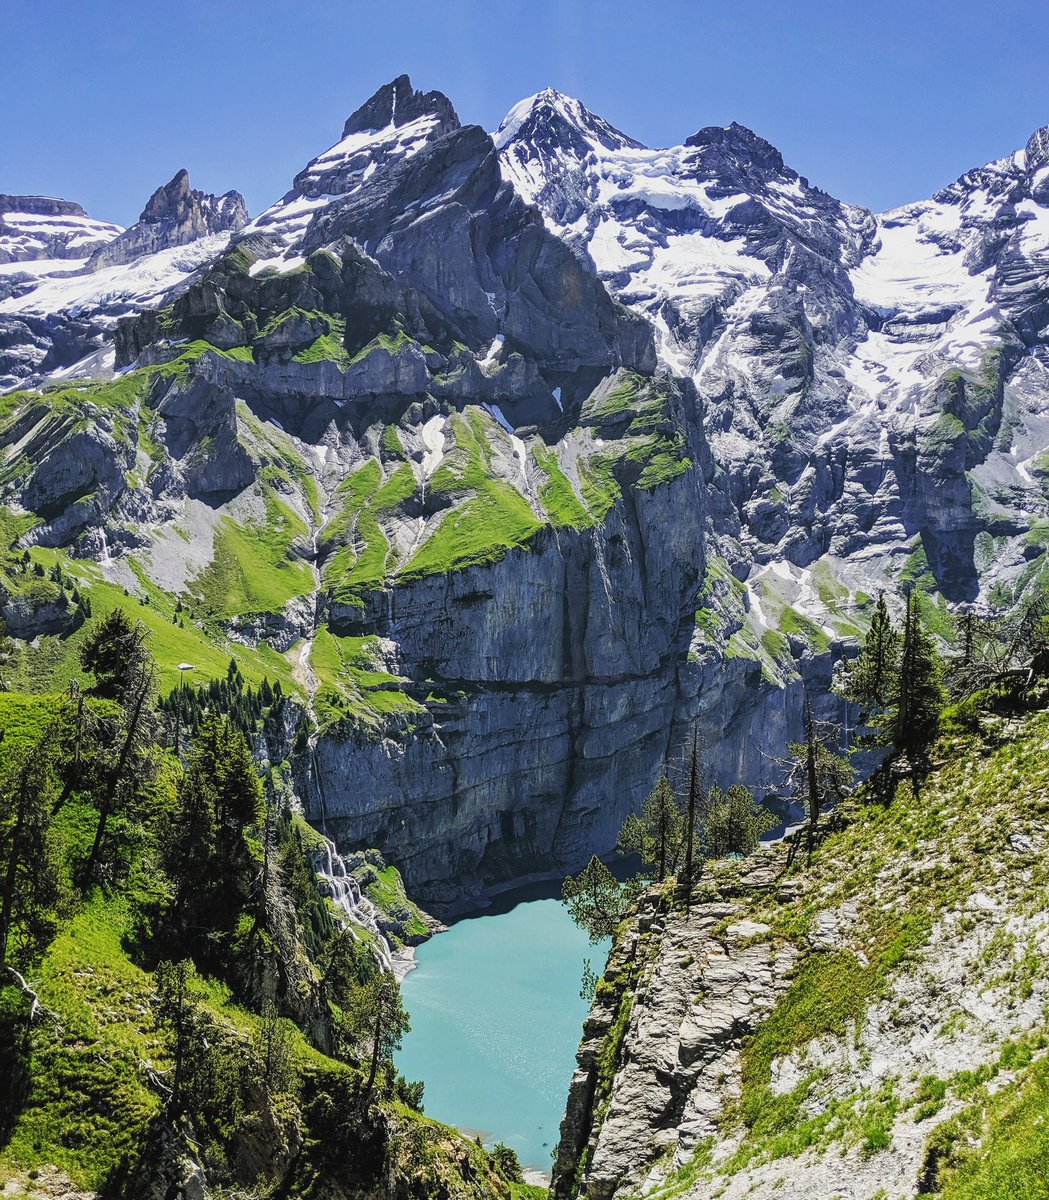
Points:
[[683, 993], [867, 1026]]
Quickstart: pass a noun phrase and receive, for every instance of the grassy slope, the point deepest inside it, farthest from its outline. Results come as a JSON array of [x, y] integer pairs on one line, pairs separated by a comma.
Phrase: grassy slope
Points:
[[496, 519], [354, 685], [91, 1105], [53, 663]]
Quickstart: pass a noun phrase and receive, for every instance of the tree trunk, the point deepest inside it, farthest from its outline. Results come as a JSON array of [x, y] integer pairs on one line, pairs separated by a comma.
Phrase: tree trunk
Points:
[[693, 788], [376, 1047], [813, 778], [105, 808]]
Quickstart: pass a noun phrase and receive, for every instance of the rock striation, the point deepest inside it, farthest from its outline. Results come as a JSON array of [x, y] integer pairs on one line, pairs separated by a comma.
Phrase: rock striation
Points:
[[45, 227], [564, 443]]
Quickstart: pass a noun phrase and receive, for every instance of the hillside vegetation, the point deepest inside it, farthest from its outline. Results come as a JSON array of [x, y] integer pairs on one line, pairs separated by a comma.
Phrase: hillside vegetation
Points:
[[183, 1011]]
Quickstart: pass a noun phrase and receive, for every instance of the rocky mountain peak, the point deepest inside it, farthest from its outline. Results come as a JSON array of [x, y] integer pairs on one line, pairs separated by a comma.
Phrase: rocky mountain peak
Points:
[[46, 227], [737, 143], [177, 201], [168, 198], [174, 215], [394, 124], [41, 206], [1036, 152], [397, 103], [551, 120]]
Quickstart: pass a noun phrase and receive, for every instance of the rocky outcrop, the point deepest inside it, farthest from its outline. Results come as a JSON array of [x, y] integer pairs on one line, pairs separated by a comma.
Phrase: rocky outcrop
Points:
[[678, 998], [842, 1029], [175, 215]]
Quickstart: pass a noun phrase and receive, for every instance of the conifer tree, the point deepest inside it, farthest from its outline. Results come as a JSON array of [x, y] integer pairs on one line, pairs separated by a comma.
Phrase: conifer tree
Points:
[[819, 777], [919, 693], [655, 834], [596, 900], [384, 1022], [116, 654], [872, 679], [734, 822], [30, 872]]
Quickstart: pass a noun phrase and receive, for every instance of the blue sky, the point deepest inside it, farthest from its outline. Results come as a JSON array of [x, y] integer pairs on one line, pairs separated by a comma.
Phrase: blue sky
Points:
[[879, 102]]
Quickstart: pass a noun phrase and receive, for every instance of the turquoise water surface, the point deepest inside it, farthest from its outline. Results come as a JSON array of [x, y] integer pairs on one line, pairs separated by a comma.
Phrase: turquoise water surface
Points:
[[496, 1020]]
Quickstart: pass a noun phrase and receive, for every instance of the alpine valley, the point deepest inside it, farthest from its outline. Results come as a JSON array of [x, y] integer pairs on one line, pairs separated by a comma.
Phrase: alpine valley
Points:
[[482, 472]]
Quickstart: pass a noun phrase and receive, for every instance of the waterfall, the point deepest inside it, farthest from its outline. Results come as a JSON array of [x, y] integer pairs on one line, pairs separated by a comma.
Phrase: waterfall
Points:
[[357, 910]]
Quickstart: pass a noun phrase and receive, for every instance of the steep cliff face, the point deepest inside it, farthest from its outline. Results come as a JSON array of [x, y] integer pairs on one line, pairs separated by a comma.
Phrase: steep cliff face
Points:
[[852, 1028]]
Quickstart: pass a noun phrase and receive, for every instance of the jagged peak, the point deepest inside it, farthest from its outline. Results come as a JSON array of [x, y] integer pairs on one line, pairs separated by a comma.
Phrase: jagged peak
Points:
[[740, 141], [396, 104], [1036, 152], [551, 110], [172, 199]]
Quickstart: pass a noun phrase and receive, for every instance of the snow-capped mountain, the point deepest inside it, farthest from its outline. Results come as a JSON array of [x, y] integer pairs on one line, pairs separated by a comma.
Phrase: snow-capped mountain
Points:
[[867, 380], [58, 315], [390, 128], [43, 227], [560, 442]]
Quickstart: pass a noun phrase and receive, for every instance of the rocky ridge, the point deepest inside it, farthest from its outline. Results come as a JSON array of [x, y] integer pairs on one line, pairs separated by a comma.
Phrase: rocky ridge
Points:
[[44, 227], [854, 1028], [175, 215], [58, 314]]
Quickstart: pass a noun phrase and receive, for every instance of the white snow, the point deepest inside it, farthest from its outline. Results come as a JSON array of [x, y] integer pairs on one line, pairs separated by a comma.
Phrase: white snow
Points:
[[432, 433], [492, 353], [140, 284], [497, 412]]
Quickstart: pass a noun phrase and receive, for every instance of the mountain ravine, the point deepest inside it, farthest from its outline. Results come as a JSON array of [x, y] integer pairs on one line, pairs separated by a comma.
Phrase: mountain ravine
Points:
[[512, 458]]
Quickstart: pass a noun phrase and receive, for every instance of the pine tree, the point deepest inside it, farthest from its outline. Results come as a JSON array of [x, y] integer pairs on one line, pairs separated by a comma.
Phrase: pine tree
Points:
[[596, 900], [819, 776], [871, 680], [734, 822], [115, 653], [693, 813], [30, 871], [920, 695], [382, 1020], [131, 764], [655, 834], [203, 848]]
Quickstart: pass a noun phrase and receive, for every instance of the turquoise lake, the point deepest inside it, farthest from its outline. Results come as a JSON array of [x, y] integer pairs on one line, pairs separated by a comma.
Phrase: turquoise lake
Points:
[[496, 1021]]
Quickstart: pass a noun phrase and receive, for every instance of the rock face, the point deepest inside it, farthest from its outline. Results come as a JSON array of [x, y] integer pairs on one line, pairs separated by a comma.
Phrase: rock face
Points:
[[58, 315], [175, 215], [680, 1003], [845, 1029], [869, 381]]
